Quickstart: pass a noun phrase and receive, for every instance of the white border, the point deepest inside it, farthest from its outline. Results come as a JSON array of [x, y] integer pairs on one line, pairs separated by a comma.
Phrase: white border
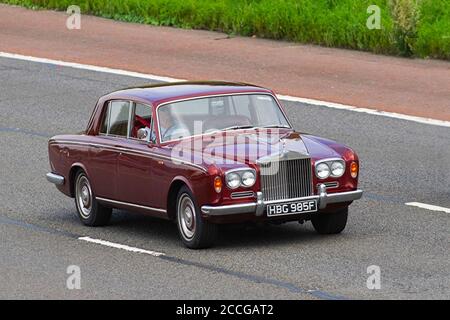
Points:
[[314, 102]]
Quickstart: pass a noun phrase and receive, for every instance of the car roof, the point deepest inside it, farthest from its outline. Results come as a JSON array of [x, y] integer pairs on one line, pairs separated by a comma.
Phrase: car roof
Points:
[[156, 94]]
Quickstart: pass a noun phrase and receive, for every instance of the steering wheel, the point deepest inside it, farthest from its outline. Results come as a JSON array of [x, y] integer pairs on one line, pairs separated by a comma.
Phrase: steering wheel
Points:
[[176, 131]]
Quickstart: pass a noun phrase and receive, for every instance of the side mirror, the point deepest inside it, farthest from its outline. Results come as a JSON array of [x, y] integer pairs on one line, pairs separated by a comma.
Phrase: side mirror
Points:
[[142, 134]]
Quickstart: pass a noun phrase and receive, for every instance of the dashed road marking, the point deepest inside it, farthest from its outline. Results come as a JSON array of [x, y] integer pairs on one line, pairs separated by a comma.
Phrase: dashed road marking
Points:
[[121, 246], [428, 206], [211, 268], [153, 77]]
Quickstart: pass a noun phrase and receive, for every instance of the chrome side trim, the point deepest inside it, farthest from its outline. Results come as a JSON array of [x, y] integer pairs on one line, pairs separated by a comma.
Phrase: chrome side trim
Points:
[[55, 178], [131, 205], [258, 207], [128, 151]]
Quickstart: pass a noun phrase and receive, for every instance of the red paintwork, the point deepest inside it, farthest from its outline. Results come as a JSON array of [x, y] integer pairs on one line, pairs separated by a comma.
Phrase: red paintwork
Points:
[[147, 181]]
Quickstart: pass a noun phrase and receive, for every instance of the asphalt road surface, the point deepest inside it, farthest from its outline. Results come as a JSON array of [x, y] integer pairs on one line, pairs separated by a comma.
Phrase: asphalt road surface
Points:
[[401, 162], [418, 87]]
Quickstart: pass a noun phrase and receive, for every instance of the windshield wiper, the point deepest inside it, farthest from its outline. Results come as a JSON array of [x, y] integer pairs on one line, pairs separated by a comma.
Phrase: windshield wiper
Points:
[[250, 127], [277, 126], [238, 127]]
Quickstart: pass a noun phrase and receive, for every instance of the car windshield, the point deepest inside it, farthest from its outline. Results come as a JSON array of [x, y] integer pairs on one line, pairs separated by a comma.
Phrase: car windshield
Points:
[[231, 112]]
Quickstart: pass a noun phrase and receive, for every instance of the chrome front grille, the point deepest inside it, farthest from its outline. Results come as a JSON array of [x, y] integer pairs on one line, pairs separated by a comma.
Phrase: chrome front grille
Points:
[[286, 179]]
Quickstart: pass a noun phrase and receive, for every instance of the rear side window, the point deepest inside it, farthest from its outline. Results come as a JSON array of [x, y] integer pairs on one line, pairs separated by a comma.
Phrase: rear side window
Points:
[[104, 126], [117, 118]]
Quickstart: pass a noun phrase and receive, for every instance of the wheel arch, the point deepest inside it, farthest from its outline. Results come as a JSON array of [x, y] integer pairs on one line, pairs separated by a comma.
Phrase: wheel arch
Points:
[[72, 174], [175, 186]]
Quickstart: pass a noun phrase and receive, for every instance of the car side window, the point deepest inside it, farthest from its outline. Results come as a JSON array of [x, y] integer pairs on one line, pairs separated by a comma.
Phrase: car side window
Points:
[[105, 121], [142, 119], [119, 115]]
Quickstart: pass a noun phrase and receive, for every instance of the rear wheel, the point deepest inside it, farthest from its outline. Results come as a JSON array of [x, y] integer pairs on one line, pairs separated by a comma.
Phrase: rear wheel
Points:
[[195, 232], [90, 212], [331, 223]]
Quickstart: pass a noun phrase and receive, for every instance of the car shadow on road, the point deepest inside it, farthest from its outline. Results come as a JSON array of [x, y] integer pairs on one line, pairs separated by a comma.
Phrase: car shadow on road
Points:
[[230, 236], [253, 236]]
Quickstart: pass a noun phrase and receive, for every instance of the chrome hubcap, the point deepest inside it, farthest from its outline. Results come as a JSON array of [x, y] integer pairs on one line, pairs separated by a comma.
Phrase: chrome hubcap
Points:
[[84, 196], [186, 216]]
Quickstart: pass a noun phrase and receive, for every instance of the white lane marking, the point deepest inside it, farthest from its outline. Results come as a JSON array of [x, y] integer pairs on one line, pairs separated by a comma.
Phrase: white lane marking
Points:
[[121, 246], [88, 67], [428, 206], [153, 77], [376, 112]]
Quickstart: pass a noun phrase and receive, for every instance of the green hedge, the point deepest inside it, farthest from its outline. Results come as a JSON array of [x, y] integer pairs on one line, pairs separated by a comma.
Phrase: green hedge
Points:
[[408, 27]]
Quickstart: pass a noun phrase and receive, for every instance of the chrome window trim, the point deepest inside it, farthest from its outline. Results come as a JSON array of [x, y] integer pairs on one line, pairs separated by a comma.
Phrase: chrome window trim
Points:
[[109, 119], [132, 112], [214, 96]]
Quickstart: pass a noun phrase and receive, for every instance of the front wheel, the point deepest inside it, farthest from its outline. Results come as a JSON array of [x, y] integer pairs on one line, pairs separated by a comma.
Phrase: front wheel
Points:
[[331, 223], [195, 232], [90, 212]]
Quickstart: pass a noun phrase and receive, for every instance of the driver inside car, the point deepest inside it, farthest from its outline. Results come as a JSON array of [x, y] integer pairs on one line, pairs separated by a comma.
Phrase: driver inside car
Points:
[[170, 127]]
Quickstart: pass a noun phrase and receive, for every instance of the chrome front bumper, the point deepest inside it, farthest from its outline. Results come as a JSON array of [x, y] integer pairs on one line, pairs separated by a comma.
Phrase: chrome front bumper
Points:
[[56, 179], [258, 207]]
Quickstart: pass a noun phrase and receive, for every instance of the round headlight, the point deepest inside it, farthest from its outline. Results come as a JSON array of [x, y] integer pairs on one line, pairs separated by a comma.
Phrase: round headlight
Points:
[[233, 180], [322, 171], [248, 178], [337, 169]]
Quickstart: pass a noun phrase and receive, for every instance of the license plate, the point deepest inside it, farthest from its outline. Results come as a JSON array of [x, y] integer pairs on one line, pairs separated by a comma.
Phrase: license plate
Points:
[[295, 207]]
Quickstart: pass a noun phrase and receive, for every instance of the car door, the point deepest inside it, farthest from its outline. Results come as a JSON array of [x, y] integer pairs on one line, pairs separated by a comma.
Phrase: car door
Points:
[[135, 182], [103, 150]]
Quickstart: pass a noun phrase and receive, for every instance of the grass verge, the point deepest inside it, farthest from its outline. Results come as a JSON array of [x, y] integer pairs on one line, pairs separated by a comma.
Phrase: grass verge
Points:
[[408, 27]]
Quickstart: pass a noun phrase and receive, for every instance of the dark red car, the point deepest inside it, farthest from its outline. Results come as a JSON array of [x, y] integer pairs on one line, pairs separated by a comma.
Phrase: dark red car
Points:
[[202, 154]]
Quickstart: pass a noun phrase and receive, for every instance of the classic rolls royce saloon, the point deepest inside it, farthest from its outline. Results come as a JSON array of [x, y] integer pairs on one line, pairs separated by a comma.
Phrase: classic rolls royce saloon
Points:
[[203, 154]]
